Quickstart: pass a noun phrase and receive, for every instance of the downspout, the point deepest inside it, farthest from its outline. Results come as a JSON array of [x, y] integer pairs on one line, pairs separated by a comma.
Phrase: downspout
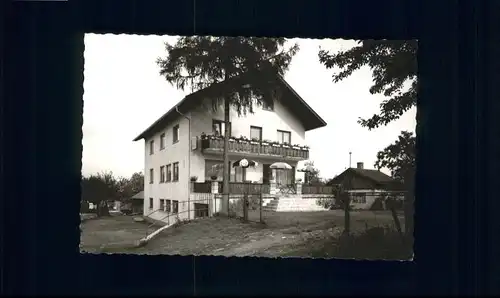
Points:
[[189, 153]]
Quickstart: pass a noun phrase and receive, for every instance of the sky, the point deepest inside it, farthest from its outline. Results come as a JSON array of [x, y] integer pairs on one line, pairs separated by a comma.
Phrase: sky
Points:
[[124, 94]]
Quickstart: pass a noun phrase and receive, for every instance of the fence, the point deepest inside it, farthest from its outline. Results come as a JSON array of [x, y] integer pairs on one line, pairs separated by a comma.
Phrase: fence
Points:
[[199, 205], [248, 207]]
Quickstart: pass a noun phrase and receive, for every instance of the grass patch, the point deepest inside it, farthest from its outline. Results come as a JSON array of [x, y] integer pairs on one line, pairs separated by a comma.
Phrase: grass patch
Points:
[[373, 244]]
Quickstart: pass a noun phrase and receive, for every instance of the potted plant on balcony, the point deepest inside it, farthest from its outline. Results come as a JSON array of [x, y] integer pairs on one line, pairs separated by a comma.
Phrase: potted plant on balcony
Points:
[[205, 141], [193, 178], [266, 142], [275, 144], [242, 139], [254, 141]]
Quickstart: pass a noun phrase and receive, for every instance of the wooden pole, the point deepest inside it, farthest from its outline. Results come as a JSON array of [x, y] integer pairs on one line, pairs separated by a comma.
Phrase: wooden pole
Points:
[[260, 210]]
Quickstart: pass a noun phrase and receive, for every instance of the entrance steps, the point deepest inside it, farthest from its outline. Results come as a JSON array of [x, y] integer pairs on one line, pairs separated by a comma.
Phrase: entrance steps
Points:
[[292, 203]]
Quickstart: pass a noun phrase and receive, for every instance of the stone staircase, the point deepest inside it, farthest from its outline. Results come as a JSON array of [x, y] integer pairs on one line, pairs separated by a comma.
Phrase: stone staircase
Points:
[[293, 203]]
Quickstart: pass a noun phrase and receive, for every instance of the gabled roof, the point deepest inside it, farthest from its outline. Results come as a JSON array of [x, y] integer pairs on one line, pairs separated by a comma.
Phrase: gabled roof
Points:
[[309, 118], [374, 175], [139, 195]]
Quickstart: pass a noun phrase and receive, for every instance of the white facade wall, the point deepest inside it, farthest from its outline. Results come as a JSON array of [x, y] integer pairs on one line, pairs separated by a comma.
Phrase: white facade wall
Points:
[[270, 121], [370, 197], [192, 162], [172, 153]]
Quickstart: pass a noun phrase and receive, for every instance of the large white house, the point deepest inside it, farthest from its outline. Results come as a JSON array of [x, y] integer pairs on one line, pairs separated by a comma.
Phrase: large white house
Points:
[[186, 141]]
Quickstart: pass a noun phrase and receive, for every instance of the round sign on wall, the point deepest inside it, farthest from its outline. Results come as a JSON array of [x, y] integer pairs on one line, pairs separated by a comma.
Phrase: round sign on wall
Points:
[[244, 163]]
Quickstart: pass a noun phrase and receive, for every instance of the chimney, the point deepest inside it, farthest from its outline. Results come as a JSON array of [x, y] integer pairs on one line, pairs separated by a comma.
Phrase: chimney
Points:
[[360, 165]]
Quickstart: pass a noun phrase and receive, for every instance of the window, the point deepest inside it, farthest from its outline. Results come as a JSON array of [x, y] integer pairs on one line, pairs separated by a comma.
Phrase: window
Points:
[[284, 137], [359, 198], [162, 141], [175, 136], [268, 107], [162, 204], [256, 133], [168, 206], [219, 127], [151, 147], [169, 173], [175, 207], [151, 175], [213, 168], [150, 203], [162, 174], [176, 172]]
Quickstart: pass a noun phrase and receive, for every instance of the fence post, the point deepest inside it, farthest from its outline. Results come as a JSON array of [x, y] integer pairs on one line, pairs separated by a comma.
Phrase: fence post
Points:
[[260, 209], [189, 209], [298, 188]]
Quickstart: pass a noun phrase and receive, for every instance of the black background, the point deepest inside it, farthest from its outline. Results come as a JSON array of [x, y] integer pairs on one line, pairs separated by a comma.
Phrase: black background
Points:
[[42, 87]]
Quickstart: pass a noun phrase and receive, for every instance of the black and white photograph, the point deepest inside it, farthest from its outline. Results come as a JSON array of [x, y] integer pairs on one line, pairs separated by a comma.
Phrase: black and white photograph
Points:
[[248, 146]]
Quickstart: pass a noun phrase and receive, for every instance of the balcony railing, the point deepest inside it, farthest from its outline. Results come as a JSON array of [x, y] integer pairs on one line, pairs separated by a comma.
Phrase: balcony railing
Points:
[[255, 147], [234, 188]]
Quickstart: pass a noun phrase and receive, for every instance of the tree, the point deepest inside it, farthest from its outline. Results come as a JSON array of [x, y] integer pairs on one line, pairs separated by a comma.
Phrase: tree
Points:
[[237, 70], [128, 187], [136, 183], [399, 158], [312, 174], [393, 64], [98, 189]]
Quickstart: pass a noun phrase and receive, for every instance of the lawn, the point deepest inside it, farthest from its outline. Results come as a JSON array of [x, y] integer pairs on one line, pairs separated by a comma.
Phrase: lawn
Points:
[[301, 234], [110, 234]]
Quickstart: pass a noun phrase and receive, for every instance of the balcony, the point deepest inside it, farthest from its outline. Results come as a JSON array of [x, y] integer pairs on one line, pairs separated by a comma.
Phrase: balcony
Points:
[[262, 149]]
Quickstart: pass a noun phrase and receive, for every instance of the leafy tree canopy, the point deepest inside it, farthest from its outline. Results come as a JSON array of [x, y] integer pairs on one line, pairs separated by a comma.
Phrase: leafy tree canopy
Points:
[[393, 63], [198, 62], [399, 157], [312, 175]]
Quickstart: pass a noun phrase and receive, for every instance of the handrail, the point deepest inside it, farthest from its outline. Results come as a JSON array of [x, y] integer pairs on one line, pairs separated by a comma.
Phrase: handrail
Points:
[[153, 212], [149, 226]]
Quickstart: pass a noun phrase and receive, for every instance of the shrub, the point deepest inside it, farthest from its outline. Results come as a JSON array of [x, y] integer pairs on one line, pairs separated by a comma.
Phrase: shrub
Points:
[[329, 203]]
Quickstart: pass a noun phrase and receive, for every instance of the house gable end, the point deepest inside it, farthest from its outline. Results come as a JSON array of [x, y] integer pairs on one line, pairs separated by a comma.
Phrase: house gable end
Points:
[[298, 107]]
